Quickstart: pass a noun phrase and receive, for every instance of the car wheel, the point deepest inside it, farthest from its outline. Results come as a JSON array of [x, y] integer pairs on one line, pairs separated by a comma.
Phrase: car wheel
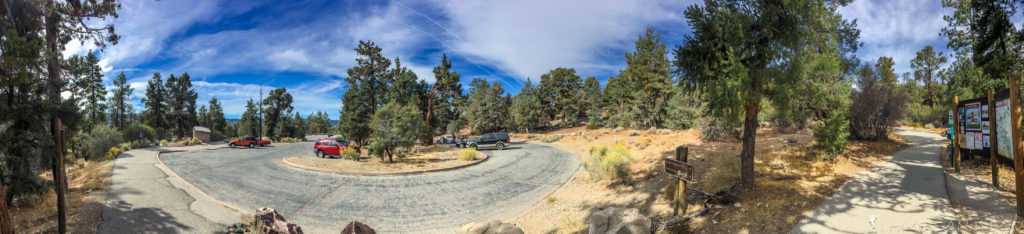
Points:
[[473, 146], [251, 145], [319, 153], [501, 146], [232, 145]]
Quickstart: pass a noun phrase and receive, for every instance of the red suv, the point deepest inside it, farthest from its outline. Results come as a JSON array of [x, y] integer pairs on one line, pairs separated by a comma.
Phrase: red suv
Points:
[[331, 146]]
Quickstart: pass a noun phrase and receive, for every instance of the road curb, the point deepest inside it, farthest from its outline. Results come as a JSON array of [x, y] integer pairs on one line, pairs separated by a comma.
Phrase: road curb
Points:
[[190, 186], [401, 173]]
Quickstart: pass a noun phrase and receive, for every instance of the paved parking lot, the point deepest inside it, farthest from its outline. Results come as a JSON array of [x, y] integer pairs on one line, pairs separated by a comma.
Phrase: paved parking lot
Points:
[[500, 188]]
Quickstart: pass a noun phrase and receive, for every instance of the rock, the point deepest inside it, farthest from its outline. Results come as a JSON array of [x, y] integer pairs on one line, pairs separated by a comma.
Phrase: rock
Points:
[[358, 228], [618, 220], [634, 133], [618, 129], [664, 131], [274, 222], [737, 205], [929, 126], [492, 227]]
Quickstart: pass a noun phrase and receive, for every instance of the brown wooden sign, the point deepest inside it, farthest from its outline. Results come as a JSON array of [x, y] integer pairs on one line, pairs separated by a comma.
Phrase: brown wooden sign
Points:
[[679, 169]]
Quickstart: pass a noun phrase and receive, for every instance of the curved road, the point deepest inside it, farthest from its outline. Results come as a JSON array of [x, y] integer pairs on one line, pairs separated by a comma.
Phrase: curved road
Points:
[[500, 188]]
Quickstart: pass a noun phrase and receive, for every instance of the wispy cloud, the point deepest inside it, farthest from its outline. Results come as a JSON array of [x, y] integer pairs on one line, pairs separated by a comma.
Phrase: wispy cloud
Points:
[[897, 29]]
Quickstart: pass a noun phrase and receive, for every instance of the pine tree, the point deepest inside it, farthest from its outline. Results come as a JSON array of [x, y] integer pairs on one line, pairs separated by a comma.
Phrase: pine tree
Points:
[[527, 110], [560, 92], [249, 125], [443, 99], [647, 73], [593, 100], [155, 115], [218, 124], [278, 105], [395, 126], [926, 70], [93, 91], [120, 105]]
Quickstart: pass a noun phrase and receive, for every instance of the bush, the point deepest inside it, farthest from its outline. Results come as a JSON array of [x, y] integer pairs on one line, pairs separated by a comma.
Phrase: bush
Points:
[[552, 138], [609, 162], [468, 154], [100, 139], [132, 132], [195, 141], [831, 134], [163, 142], [592, 126], [113, 152], [713, 128], [876, 109], [350, 153]]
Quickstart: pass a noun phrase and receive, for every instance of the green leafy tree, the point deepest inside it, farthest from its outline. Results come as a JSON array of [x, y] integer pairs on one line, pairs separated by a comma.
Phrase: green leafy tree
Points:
[[560, 93], [617, 96], [395, 126], [278, 105], [155, 115], [647, 73], [736, 68], [318, 123], [682, 110], [980, 31], [299, 126], [487, 111]]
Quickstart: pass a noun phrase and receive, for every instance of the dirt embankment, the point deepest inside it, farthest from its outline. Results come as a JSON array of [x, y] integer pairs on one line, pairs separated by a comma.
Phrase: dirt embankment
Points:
[[774, 205]]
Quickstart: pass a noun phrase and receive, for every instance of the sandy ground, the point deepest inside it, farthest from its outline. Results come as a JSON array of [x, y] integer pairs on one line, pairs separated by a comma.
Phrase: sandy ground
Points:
[[425, 158], [772, 206], [88, 183]]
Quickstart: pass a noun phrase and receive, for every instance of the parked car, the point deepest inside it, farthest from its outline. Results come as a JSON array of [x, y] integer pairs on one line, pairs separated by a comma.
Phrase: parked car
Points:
[[499, 140], [331, 147], [250, 141], [445, 140]]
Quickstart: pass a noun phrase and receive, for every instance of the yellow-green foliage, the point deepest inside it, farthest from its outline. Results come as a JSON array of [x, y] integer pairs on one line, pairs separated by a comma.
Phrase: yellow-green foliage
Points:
[[125, 146], [163, 142], [468, 154], [290, 139], [609, 162], [350, 154], [113, 152]]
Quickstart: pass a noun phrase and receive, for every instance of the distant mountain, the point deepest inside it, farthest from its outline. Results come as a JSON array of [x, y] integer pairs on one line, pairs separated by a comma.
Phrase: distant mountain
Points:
[[231, 122]]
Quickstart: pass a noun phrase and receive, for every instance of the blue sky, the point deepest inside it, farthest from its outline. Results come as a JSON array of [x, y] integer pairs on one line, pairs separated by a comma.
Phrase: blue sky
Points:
[[230, 48]]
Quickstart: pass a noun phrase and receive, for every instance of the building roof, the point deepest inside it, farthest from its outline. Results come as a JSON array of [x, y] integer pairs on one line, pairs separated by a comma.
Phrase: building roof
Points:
[[200, 129]]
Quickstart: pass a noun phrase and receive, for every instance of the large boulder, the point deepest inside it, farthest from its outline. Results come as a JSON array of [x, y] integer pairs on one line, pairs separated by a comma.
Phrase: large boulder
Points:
[[492, 227], [274, 222], [614, 220], [358, 228]]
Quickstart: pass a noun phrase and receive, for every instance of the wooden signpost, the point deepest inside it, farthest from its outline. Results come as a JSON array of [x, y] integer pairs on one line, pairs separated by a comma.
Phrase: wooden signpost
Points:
[[1018, 162], [956, 133], [992, 138], [684, 172]]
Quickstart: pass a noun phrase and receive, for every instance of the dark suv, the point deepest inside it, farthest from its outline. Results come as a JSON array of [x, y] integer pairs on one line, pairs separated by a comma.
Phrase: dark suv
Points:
[[499, 140]]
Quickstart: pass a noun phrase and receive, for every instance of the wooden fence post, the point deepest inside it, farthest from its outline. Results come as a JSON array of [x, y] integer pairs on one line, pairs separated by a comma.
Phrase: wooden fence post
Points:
[[956, 133], [992, 156], [1018, 162], [681, 155], [6, 225]]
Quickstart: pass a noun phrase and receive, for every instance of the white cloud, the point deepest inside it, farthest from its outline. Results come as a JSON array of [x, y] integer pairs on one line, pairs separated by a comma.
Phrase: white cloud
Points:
[[897, 29], [529, 38]]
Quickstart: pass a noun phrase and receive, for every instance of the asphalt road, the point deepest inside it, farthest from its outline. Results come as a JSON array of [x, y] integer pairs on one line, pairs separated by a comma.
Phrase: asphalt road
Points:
[[500, 188]]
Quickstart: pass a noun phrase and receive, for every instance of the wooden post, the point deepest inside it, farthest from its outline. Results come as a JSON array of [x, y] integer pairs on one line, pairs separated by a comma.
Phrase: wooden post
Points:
[[956, 133], [992, 156], [681, 155], [58, 174], [1018, 162]]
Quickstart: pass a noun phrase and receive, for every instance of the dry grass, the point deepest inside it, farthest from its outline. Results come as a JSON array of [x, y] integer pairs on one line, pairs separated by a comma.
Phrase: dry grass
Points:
[[418, 159], [980, 169], [89, 183], [773, 205]]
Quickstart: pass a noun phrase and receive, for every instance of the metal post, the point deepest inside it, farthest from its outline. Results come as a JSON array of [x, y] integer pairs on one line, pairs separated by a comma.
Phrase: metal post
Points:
[[956, 133], [681, 155], [1018, 162], [992, 158]]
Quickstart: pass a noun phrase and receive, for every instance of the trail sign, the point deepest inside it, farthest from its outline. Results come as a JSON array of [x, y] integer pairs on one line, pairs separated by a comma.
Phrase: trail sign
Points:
[[679, 169]]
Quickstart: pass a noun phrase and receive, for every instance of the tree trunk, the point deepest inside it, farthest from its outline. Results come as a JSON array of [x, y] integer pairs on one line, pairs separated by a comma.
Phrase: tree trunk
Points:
[[749, 136], [53, 73], [5, 218]]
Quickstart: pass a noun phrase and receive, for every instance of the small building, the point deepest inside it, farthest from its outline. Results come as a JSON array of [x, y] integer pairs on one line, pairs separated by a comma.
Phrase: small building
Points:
[[202, 133]]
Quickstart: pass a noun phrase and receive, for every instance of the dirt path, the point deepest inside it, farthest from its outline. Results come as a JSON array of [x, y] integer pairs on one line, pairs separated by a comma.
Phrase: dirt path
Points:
[[907, 193]]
